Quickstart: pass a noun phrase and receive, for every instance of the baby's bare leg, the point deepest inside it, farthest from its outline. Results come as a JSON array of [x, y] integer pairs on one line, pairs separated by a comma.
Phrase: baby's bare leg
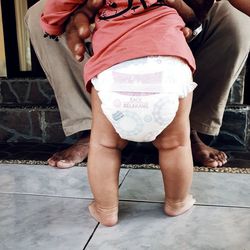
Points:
[[104, 165], [175, 158]]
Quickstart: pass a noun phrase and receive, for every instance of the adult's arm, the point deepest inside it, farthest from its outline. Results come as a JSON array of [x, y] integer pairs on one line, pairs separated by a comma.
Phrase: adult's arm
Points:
[[55, 14], [242, 5], [78, 28]]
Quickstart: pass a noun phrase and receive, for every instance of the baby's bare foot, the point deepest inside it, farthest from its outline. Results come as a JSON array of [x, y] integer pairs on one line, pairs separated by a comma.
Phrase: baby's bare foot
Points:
[[106, 216], [177, 208]]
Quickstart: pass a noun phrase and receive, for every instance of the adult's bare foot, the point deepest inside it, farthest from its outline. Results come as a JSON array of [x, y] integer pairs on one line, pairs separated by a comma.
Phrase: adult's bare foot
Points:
[[205, 155], [72, 155]]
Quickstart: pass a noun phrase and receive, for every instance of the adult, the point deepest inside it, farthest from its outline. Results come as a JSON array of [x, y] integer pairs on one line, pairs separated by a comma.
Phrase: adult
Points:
[[220, 50]]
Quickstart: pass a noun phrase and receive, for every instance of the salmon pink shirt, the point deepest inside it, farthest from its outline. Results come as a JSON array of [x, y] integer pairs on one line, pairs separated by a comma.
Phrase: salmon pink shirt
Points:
[[124, 30]]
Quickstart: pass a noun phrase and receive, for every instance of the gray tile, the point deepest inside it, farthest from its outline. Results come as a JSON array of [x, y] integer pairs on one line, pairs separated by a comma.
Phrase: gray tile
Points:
[[144, 226], [207, 188], [143, 185], [45, 180], [222, 189], [37, 223]]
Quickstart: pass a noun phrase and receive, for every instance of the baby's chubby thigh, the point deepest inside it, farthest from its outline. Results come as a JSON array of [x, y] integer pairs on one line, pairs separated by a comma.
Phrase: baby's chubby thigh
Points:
[[178, 131]]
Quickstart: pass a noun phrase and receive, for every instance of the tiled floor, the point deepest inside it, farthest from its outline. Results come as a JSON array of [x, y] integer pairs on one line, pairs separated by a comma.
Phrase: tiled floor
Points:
[[43, 208]]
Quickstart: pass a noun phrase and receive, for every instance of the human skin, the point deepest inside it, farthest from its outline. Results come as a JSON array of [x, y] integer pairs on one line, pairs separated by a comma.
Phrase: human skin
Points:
[[104, 160], [242, 5], [79, 29]]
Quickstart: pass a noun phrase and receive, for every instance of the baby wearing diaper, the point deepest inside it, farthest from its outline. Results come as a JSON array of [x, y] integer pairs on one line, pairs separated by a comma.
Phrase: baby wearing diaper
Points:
[[140, 97], [140, 79], [142, 100]]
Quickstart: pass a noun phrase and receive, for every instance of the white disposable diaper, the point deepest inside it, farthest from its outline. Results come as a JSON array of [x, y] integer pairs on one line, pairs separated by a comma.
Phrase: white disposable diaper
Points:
[[140, 97]]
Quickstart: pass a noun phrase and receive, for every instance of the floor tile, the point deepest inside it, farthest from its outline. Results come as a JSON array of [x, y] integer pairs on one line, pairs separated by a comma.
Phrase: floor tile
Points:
[[143, 185], [144, 226], [45, 180], [222, 189], [207, 188], [44, 223]]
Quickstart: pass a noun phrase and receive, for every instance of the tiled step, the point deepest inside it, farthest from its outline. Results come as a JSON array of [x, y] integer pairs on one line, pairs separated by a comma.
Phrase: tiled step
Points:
[[235, 130], [236, 95], [26, 91], [43, 125], [32, 124], [28, 113], [37, 91]]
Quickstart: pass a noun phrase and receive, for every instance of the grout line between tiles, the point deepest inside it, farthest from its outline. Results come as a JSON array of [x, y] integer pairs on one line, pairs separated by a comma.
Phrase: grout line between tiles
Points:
[[122, 200], [124, 177], [196, 204], [218, 205], [91, 236], [46, 195]]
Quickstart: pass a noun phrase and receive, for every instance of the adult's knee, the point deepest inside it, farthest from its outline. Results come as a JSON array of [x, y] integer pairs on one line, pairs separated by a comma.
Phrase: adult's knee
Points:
[[32, 17], [232, 26]]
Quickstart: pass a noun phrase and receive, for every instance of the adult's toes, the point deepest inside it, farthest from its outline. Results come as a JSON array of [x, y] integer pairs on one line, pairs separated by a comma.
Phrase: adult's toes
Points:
[[52, 161], [214, 156], [222, 157], [219, 157], [65, 164], [220, 163], [211, 163]]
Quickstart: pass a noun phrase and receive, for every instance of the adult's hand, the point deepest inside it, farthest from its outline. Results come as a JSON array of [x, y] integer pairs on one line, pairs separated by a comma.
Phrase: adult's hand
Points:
[[193, 13], [78, 28], [242, 5], [191, 10]]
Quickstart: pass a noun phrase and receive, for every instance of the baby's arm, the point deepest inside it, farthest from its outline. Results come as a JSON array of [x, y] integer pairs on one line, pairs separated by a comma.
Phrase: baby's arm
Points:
[[55, 14]]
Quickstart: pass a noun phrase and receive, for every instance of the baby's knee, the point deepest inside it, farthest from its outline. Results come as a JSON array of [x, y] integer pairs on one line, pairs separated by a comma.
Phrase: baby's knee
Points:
[[113, 143], [170, 142], [117, 144]]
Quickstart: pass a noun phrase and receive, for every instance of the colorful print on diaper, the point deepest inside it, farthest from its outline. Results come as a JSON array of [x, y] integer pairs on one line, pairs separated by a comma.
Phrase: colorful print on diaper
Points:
[[164, 111], [127, 123]]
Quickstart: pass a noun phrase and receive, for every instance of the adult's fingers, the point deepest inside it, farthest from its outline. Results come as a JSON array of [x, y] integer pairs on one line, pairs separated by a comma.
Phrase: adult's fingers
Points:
[[77, 31], [81, 23], [188, 33], [200, 7], [91, 7], [183, 10]]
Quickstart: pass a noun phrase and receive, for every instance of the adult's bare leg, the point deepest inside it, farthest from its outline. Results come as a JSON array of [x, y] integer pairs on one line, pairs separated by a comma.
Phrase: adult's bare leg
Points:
[[220, 51], [66, 81]]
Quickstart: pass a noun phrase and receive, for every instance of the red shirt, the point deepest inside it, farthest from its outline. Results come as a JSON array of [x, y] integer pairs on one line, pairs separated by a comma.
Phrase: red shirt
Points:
[[127, 29]]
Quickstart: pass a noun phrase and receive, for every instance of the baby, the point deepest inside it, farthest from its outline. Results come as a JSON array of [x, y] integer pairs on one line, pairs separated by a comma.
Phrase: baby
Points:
[[140, 80]]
